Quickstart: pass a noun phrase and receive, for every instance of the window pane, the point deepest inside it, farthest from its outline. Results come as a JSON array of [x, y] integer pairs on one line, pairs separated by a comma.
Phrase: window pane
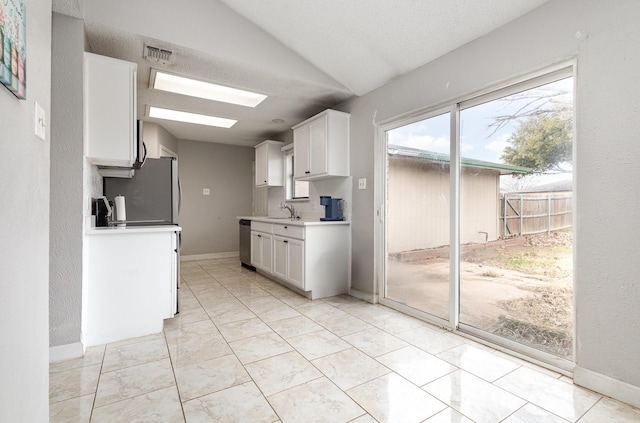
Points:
[[294, 189], [417, 215], [516, 275]]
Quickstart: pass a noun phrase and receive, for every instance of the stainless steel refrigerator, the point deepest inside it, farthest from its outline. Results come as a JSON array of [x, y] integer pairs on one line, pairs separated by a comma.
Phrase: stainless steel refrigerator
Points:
[[152, 195]]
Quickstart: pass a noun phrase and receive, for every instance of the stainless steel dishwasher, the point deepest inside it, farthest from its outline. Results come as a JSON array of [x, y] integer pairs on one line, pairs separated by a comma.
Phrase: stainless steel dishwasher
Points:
[[245, 243]]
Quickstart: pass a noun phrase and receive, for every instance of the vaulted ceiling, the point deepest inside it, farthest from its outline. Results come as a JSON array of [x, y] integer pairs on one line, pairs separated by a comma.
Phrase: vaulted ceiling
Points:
[[305, 55]]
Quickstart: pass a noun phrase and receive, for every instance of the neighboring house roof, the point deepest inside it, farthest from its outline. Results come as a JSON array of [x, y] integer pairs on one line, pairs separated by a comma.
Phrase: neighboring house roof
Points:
[[431, 156]]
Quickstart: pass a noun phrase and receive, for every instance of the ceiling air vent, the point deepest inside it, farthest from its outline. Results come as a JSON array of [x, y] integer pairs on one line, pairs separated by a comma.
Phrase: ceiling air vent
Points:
[[158, 54]]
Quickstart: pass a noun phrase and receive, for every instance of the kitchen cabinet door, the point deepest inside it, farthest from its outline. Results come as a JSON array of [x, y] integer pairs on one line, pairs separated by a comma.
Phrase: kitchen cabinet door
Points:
[[318, 146], [280, 257], [269, 164], [295, 262], [262, 166], [256, 249], [110, 110], [267, 252], [321, 146], [261, 251], [288, 260], [301, 152]]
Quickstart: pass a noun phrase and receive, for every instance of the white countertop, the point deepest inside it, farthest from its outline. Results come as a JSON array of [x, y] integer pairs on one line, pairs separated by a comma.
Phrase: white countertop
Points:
[[288, 221], [115, 230]]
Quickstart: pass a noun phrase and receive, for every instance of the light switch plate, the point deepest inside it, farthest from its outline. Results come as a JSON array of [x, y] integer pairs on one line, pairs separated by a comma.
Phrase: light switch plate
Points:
[[206, 191], [40, 124], [362, 183]]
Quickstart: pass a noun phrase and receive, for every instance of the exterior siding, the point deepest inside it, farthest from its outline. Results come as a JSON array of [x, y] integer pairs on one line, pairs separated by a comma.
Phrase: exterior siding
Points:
[[418, 205]]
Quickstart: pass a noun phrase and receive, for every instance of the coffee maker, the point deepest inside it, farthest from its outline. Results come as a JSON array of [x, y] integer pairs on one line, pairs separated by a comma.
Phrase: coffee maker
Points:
[[102, 209], [332, 208]]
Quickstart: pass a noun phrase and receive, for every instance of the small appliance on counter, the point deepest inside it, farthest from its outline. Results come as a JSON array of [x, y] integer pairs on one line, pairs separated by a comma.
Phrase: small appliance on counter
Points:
[[102, 210], [332, 208]]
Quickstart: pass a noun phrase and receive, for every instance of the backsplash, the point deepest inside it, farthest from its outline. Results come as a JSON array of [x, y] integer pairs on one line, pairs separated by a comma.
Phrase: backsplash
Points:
[[311, 209]]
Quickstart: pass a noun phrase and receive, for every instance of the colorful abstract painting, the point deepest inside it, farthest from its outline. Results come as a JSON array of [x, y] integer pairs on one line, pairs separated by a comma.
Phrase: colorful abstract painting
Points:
[[13, 47]]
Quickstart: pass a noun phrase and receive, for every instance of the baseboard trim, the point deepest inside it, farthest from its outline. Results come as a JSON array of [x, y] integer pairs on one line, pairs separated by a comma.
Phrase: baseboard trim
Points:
[[364, 296], [195, 257], [608, 386], [66, 352]]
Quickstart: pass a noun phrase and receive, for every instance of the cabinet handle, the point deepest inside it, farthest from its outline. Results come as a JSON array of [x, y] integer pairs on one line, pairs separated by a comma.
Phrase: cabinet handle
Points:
[[307, 172], [259, 236], [265, 182], [286, 227], [285, 241]]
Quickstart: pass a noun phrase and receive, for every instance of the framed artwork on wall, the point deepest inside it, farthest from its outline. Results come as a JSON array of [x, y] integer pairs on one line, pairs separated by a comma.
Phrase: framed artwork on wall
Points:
[[13, 47]]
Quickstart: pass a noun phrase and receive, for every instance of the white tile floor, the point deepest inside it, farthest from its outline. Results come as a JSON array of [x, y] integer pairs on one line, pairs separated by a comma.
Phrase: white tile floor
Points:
[[245, 349]]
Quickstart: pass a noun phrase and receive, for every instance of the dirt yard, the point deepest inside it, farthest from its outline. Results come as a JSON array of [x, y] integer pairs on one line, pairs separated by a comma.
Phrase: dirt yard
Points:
[[519, 288]]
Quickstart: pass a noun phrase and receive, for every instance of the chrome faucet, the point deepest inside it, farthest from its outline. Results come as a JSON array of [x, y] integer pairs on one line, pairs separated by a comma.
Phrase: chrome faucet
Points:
[[291, 210]]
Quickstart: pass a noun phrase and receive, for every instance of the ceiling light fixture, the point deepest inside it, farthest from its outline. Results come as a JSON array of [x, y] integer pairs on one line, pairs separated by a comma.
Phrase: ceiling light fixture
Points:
[[196, 88], [160, 113]]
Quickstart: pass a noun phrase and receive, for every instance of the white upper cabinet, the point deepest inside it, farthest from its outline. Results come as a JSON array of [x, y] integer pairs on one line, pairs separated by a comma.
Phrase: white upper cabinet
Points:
[[269, 166], [109, 110], [321, 146]]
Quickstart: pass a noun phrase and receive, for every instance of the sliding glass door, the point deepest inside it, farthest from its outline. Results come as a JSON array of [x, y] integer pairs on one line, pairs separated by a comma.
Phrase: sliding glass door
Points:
[[516, 258], [481, 239], [417, 215]]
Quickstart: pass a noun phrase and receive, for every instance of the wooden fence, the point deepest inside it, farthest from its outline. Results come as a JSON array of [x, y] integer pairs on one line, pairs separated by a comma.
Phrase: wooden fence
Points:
[[534, 213]]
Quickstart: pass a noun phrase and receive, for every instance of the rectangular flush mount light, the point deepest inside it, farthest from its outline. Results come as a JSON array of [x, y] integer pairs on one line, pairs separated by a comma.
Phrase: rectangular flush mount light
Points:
[[157, 112], [193, 87]]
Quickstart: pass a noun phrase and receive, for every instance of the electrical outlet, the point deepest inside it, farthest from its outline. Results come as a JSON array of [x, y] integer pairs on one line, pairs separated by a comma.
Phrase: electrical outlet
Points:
[[362, 183], [206, 191]]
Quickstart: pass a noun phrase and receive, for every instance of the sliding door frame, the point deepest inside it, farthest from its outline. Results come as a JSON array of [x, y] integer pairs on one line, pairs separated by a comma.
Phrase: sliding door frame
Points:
[[564, 69]]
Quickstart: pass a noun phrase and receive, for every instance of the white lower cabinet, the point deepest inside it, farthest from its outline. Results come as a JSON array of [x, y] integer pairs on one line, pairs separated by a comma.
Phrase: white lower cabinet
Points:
[[261, 250], [311, 258], [295, 262], [288, 260], [131, 283]]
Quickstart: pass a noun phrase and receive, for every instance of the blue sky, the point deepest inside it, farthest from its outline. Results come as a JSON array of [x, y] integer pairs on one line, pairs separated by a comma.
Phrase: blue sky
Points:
[[477, 140]]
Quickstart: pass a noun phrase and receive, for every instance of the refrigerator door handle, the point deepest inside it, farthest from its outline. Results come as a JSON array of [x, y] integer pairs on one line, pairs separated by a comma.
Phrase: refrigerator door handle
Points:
[[144, 157], [179, 196]]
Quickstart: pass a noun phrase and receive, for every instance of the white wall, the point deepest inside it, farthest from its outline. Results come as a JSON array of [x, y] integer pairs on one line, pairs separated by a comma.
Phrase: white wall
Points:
[[67, 158], [604, 38], [209, 223], [155, 137], [24, 224]]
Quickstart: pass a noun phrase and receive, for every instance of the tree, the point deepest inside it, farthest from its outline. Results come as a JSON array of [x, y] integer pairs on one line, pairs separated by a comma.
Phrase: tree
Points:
[[542, 142], [517, 182]]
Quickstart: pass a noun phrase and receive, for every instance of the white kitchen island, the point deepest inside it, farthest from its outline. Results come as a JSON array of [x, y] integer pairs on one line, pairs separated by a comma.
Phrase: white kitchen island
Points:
[[130, 283]]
